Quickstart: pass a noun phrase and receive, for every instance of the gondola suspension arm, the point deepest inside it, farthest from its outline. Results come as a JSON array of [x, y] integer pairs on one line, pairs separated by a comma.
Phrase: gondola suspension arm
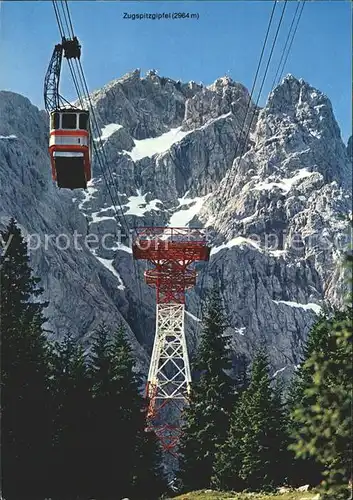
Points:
[[70, 49]]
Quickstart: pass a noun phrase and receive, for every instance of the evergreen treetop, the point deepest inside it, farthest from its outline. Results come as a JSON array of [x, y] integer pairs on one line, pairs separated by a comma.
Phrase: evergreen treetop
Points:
[[206, 419], [25, 426], [323, 419], [213, 351], [254, 453]]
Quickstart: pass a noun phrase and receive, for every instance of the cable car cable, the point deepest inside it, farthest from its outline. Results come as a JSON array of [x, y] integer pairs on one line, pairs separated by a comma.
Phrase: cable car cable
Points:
[[285, 46], [62, 4], [253, 88], [200, 312], [253, 114], [262, 85], [264, 77], [76, 85], [107, 163], [62, 32], [94, 120], [69, 18], [86, 92], [291, 43], [58, 19], [84, 86], [83, 82], [256, 75], [267, 69], [69, 23], [102, 149], [263, 80]]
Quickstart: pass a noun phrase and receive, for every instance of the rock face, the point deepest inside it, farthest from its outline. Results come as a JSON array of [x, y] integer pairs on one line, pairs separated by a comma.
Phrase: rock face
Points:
[[350, 147], [144, 107], [80, 289], [270, 185]]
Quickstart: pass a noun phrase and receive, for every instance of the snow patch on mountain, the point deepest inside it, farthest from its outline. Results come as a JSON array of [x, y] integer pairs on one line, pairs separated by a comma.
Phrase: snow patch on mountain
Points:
[[182, 217], [192, 316], [138, 206], [214, 120], [314, 307], [154, 145], [122, 247], [238, 241], [285, 184], [88, 194], [108, 264], [96, 217], [9, 137], [278, 371], [108, 130], [241, 241]]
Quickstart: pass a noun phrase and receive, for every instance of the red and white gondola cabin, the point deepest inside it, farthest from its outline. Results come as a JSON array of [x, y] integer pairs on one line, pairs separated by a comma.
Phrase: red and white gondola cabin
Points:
[[69, 148]]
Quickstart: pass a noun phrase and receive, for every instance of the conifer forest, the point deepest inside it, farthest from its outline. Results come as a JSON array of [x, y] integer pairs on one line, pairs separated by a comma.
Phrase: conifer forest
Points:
[[73, 421]]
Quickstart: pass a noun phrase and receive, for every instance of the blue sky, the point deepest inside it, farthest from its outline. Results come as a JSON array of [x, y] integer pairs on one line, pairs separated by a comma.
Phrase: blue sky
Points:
[[226, 39]]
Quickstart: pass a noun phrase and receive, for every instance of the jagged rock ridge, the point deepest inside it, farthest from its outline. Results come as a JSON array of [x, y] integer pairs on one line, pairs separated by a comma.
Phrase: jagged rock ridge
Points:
[[176, 155]]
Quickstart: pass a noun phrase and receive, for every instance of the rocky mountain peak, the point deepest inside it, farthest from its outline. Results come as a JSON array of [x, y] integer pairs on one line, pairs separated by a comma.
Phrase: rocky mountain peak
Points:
[[133, 76], [227, 85], [293, 92], [304, 105], [151, 73], [145, 107], [224, 81], [222, 97], [177, 154], [298, 117]]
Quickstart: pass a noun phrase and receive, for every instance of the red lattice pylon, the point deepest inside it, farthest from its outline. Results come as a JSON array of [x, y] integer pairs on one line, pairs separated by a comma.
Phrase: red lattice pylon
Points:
[[171, 251]]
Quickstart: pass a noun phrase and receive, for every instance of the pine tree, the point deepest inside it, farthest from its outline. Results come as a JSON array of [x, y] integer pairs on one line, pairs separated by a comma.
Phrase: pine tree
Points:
[[72, 403], [323, 416], [25, 420], [318, 340], [241, 366], [308, 470], [112, 440], [254, 455], [206, 418], [149, 481], [105, 420], [128, 457]]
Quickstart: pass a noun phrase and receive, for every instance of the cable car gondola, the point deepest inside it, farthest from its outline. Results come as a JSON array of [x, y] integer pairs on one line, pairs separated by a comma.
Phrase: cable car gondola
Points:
[[69, 140], [69, 147]]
